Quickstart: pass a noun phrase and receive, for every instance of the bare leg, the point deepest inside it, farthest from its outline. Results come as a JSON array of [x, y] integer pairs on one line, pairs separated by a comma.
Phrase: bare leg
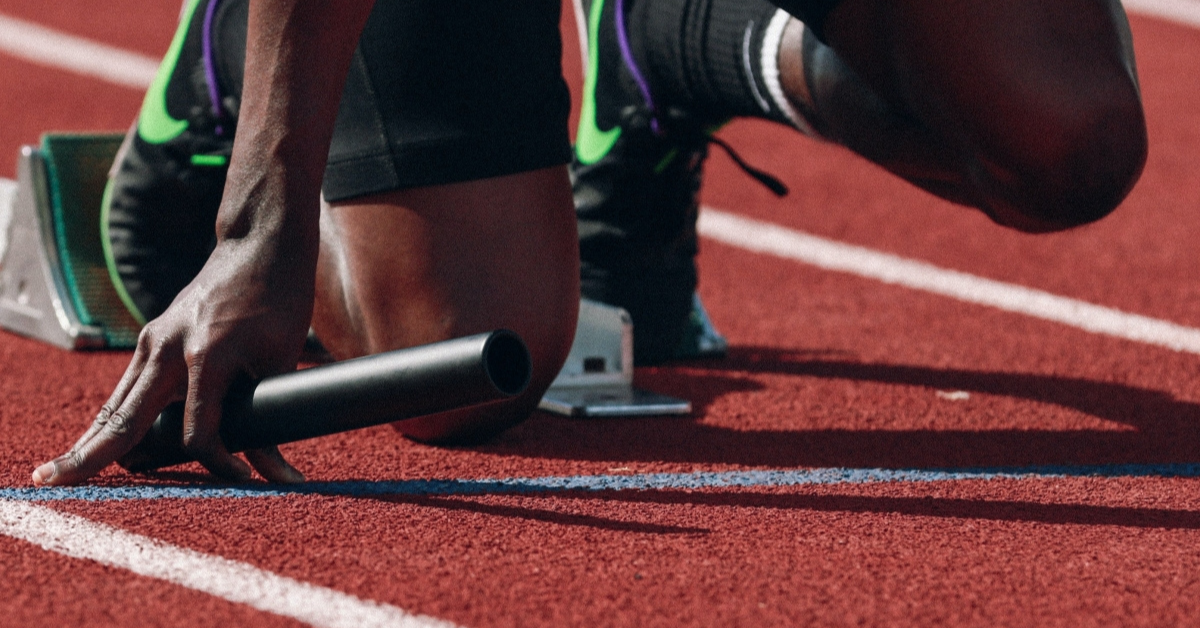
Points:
[[416, 266], [1028, 110]]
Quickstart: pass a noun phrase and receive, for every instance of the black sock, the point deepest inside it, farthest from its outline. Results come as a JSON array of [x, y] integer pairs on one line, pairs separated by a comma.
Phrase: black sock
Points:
[[707, 57]]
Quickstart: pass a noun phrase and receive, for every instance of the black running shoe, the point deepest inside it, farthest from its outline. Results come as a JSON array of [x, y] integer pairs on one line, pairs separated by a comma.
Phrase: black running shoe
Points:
[[161, 203], [636, 175]]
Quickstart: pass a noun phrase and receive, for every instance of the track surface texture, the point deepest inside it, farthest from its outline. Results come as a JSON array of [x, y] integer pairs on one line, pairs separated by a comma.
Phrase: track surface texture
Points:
[[810, 486]]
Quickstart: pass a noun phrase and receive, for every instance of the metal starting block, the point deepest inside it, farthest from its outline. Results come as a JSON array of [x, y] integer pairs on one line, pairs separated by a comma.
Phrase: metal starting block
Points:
[[54, 282], [597, 380], [55, 285]]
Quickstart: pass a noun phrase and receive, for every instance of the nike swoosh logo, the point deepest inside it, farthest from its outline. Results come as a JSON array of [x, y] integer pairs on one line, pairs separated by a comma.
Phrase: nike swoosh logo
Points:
[[592, 144], [155, 124]]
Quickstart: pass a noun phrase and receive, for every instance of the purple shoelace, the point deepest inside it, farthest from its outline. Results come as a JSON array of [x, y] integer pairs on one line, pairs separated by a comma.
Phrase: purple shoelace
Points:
[[775, 185], [627, 55], [210, 64]]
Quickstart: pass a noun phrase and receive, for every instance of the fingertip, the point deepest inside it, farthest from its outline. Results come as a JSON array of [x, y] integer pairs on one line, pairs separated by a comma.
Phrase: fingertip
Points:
[[273, 467], [295, 475], [44, 474], [282, 472], [226, 466], [239, 470], [288, 475]]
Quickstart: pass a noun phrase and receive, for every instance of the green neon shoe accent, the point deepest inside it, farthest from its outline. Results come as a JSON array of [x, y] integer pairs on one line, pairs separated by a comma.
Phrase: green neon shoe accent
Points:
[[666, 160], [110, 260], [155, 124], [211, 161], [674, 152], [592, 144]]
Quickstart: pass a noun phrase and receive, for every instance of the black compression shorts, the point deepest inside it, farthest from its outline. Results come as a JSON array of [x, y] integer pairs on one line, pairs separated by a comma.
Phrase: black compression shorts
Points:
[[442, 91], [439, 91]]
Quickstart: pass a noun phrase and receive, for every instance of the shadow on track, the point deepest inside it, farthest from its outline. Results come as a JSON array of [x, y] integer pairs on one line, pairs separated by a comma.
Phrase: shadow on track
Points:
[[524, 513], [1056, 514], [1165, 429]]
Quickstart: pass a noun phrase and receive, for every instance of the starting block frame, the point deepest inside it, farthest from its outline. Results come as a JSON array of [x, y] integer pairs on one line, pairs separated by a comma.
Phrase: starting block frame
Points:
[[34, 298], [597, 379], [55, 285], [54, 280]]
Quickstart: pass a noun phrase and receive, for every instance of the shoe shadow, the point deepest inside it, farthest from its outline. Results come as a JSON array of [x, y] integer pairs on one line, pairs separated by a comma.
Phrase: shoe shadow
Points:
[[1165, 429]]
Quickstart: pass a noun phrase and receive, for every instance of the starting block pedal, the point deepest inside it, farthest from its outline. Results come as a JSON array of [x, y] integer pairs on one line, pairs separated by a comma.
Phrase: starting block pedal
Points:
[[597, 380], [54, 281]]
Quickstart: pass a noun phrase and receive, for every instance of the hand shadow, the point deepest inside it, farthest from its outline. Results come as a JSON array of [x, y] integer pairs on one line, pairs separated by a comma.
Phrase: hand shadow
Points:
[[1165, 428]]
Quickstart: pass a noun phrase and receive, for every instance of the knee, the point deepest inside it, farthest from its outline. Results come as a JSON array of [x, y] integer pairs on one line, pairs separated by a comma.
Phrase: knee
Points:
[[1073, 168], [461, 259]]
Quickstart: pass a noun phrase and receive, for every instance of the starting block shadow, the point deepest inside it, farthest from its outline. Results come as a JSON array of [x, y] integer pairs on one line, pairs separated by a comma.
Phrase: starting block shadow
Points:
[[54, 281]]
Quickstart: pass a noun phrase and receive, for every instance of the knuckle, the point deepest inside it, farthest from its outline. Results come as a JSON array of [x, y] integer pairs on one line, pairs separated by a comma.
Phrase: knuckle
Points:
[[149, 335], [118, 423], [152, 346], [200, 347], [106, 411], [158, 346], [196, 346], [154, 341], [69, 461]]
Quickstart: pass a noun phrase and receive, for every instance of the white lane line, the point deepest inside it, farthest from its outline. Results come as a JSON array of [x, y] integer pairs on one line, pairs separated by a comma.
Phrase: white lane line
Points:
[[48, 47], [1186, 12], [234, 581], [762, 237]]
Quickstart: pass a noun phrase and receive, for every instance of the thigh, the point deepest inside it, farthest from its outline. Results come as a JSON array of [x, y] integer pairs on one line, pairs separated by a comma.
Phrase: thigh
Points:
[[977, 64], [1037, 99]]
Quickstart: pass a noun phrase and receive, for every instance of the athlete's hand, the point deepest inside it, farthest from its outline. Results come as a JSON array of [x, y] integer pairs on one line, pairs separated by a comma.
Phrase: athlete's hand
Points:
[[245, 315], [247, 312]]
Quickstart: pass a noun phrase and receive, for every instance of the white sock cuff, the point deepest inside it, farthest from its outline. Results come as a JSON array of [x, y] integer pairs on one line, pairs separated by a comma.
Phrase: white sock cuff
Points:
[[772, 39]]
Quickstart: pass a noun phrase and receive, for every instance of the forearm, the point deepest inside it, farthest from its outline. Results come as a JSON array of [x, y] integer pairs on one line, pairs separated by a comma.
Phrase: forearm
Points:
[[297, 56]]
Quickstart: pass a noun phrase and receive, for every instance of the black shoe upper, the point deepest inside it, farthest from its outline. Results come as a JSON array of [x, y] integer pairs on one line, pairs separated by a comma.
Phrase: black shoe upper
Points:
[[637, 204], [163, 196]]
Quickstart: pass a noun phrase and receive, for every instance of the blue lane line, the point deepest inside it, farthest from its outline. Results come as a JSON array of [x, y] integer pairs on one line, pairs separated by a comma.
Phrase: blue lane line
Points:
[[642, 482]]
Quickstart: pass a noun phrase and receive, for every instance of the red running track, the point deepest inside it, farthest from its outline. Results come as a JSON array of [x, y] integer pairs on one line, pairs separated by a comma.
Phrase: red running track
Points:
[[827, 370]]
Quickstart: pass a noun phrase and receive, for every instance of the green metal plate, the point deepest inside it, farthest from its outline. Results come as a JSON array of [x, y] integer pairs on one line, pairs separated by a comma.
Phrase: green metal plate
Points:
[[77, 168]]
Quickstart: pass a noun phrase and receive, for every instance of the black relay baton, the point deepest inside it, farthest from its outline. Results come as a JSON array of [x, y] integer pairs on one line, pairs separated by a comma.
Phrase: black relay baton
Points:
[[353, 394]]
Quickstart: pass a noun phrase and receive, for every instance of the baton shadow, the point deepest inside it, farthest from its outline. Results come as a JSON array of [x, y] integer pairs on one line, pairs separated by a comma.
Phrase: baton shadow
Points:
[[935, 507], [524, 513], [463, 495], [938, 507], [1165, 429]]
